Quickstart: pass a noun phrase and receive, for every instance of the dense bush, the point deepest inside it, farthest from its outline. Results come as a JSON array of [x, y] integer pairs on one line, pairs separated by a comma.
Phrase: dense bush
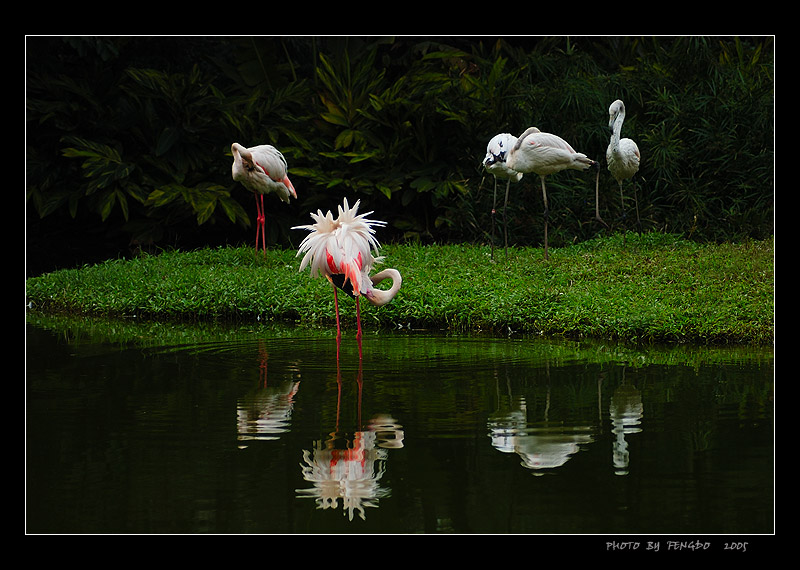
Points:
[[128, 139]]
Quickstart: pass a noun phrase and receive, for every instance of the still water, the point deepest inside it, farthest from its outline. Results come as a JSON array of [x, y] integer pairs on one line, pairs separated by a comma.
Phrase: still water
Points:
[[152, 428]]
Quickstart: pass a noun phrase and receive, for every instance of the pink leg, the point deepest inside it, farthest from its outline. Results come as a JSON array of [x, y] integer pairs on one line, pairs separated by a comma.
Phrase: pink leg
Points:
[[338, 330], [358, 335], [259, 216], [358, 318], [336, 307], [263, 228], [360, 382]]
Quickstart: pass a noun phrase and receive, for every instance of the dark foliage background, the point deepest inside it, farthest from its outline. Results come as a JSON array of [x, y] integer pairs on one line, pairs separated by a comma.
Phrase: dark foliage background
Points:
[[128, 138]]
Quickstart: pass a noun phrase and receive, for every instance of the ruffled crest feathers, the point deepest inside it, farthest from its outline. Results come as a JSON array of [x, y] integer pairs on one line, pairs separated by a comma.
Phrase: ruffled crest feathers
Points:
[[344, 245]]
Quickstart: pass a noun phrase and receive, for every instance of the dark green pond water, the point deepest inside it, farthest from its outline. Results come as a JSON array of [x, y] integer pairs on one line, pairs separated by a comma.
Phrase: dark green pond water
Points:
[[151, 428]]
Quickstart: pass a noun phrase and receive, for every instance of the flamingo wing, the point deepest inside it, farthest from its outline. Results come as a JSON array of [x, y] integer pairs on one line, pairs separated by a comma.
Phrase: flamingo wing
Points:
[[270, 160], [272, 163], [547, 141], [623, 161], [262, 169], [545, 153]]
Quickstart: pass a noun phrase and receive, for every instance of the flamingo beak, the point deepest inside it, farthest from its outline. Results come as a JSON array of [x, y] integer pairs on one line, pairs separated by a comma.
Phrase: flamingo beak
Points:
[[290, 186], [492, 158]]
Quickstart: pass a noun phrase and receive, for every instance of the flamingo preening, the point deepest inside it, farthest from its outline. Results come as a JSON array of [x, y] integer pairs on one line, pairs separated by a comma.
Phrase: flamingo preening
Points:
[[622, 155], [342, 250], [494, 162], [262, 170], [542, 154]]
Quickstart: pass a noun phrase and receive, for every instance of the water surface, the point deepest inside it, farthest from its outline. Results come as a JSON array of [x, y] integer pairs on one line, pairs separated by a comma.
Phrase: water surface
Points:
[[146, 428]]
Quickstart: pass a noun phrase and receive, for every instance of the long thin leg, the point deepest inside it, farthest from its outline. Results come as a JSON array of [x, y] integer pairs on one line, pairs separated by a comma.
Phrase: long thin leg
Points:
[[358, 335], [360, 382], [259, 216], [636, 201], [624, 215], [505, 222], [597, 200], [494, 211], [263, 227], [358, 318], [546, 216], [336, 308], [338, 329], [338, 390]]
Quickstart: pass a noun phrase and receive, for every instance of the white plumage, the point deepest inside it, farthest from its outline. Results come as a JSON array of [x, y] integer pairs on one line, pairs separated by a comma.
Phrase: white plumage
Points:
[[496, 153], [342, 250], [262, 169], [622, 155], [494, 161], [545, 154]]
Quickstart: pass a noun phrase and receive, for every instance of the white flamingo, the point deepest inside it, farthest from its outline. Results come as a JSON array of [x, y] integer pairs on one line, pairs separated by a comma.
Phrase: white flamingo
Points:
[[494, 162], [262, 170], [342, 250], [622, 155], [545, 154]]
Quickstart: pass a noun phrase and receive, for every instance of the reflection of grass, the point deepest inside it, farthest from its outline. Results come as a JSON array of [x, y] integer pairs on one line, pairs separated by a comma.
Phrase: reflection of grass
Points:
[[402, 351], [652, 288]]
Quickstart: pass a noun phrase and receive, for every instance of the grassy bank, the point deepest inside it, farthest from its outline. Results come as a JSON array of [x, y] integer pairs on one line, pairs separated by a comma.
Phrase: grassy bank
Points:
[[654, 288]]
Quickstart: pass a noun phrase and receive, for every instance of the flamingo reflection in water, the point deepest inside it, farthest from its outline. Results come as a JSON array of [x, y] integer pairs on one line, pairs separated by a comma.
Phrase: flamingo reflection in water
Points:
[[349, 466], [626, 410], [342, 250], [265, 412], [541, 445]]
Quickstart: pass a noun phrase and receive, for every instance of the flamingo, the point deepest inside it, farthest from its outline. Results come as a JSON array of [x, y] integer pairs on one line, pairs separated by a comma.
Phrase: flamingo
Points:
[[342, 249], [494, 162], [262, 170], [544, 154], [622, 155]]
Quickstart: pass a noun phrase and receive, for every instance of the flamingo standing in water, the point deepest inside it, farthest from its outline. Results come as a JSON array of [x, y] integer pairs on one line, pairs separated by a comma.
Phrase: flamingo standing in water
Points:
[[494, 162], [342, 250], [262, 170], [543, 154], [622, 155]]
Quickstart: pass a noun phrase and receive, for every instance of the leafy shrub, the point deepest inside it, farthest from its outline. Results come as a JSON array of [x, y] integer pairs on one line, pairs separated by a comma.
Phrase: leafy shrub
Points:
[[129, 138]]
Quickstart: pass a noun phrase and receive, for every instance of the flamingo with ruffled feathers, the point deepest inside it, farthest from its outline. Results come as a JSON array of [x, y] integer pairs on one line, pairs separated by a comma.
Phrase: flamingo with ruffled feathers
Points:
[[622, 155], [499, 147], [262, 169], [342, 250], [542, 154]]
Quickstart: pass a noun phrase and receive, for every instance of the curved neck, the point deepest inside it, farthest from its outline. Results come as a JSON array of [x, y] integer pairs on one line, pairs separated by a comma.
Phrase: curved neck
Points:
[[528, 131], [617, 126], [380, 297]]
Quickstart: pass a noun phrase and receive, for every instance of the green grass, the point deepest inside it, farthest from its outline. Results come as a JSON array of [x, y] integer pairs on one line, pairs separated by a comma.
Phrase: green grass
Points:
[[653, 288]]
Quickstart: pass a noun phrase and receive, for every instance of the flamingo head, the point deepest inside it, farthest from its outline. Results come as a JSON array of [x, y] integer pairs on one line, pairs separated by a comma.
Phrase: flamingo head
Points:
[[616, 109], [243, 166], [497, 150]]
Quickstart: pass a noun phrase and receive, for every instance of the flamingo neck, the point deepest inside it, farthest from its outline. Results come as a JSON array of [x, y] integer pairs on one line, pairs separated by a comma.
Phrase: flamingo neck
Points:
[[380, 297], [617, 128], [528, 131]]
